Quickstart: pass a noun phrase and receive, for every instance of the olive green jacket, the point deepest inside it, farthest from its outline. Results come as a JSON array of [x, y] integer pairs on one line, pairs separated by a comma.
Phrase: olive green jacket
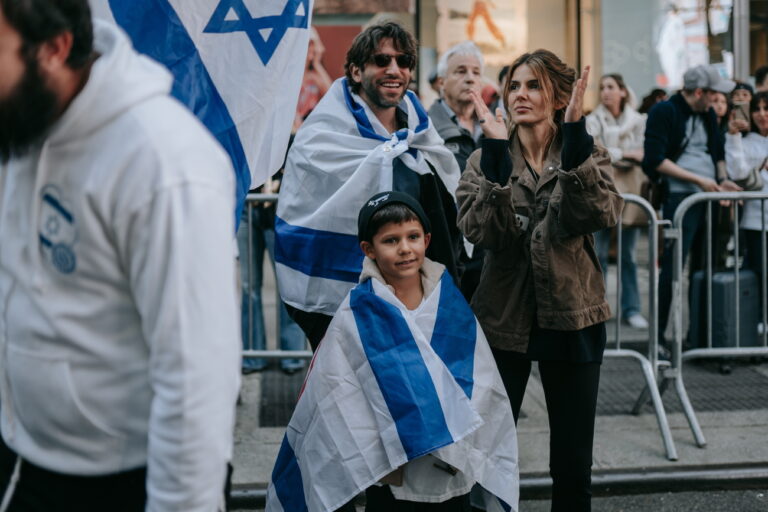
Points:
[[540, 252]]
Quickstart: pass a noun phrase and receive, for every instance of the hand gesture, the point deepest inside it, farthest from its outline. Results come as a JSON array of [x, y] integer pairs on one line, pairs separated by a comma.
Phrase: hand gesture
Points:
[[576, 106], [737, 125], [493, 127], [709, 185]]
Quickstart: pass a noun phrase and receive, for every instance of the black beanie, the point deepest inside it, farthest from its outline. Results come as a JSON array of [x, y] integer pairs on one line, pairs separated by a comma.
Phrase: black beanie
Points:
[[382, 199]]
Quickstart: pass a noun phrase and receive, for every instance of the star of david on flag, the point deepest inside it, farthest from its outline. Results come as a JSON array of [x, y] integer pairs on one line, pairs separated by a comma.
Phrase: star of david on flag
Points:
[[265, 32], [237, 64]]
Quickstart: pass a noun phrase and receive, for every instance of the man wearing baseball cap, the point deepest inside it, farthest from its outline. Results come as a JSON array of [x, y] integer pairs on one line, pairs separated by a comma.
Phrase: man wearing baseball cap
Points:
[[685, 152]]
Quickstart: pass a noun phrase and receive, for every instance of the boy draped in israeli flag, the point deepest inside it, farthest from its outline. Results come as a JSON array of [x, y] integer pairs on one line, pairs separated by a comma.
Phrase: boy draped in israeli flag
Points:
[[368, 134], [403, 399]]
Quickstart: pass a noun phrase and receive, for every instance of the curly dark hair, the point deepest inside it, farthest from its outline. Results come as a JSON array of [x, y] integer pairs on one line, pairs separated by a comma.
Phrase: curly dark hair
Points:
[[367, 41], [37, 21]]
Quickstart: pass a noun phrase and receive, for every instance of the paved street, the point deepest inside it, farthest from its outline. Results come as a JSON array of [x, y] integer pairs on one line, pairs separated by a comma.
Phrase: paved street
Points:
[[713, 501]]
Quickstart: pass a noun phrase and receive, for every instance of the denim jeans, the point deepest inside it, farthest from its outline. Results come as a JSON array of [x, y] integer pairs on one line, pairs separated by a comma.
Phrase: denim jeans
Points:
[[291, 336], [630, 294]]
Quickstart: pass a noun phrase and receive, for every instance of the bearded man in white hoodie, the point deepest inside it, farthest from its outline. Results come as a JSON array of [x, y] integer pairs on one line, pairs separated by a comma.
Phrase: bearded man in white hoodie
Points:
[[119, 331]]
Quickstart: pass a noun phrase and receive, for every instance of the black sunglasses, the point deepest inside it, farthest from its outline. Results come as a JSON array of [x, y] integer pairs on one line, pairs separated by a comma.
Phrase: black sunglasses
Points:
[[403, 60]]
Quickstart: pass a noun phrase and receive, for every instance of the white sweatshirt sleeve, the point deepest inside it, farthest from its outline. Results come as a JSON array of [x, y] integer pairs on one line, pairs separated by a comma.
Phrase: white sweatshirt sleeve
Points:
[[735, 158], [181, 267]]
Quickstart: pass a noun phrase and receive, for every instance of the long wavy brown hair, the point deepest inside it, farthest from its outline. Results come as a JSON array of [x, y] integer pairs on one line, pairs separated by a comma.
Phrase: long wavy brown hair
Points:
[[556, 80]]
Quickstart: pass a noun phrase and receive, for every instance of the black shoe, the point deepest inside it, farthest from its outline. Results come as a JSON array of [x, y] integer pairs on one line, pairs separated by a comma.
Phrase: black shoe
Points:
[[292, 369]]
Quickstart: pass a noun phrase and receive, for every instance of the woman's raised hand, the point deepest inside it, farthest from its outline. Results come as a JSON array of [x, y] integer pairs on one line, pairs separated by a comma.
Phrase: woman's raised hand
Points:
[[493, 127], [576, 106]]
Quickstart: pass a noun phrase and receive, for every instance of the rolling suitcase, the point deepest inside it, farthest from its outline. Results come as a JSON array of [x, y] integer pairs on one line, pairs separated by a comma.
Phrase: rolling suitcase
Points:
[[724, 309]]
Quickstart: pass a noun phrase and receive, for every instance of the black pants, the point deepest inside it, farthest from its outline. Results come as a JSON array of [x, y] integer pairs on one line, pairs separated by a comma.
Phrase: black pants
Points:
[[754, 259], [40, 490], [380, 499], [570, 390], [314, 325], [693, 242]]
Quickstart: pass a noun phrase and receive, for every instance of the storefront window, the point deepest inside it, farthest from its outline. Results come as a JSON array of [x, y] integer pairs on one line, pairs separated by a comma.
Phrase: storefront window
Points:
[[653, 43]]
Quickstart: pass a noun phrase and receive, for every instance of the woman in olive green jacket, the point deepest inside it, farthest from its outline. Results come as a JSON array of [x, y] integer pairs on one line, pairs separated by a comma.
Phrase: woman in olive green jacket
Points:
[[532, 196]]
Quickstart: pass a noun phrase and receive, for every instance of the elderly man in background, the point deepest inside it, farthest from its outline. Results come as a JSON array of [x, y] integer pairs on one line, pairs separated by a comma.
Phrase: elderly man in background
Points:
[[460, 71]]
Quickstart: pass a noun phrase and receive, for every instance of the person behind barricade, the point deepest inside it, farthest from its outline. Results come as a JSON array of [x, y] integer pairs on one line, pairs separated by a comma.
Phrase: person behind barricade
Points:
[[460, 71], [742, 93], [255, 236], [403, 399], [722, 108], [367, 134], [617, 126], [684, 151], [746, 153], [532, 197], [120, 347]]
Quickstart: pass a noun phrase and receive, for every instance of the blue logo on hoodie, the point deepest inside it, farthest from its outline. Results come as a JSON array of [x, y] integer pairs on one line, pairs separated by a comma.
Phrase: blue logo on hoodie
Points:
[[57, 230]]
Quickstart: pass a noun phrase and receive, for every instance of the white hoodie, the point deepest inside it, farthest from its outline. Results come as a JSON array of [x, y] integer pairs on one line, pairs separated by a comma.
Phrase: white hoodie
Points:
[[119, 329]]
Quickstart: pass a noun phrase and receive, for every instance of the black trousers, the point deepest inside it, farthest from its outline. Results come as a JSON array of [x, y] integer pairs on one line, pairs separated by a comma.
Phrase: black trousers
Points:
[[381, 499], [41, 490], [754, 259], [570, 390], [314, 325]]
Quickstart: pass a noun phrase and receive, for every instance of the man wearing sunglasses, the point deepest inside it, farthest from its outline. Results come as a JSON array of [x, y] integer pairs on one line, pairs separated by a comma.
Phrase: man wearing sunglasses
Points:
[[368, 134]]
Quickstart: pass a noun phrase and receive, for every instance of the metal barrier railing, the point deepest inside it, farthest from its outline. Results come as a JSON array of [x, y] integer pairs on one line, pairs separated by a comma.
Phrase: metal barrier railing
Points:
[[674, 372], [657, 373], [649, 363], [250, 202]]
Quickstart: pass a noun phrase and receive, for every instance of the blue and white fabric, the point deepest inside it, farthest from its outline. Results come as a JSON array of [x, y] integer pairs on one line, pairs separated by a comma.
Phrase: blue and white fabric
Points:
[[236, 64], [342, 155], [388, 386]]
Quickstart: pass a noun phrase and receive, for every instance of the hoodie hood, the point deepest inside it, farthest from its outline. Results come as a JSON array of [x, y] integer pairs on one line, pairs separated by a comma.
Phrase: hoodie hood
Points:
[[431, 273], [119, 79]]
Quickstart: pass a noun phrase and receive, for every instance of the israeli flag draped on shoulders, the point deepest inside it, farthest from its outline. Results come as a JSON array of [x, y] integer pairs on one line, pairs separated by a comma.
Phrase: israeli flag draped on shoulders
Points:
[[341, 156], [390, 387], [237, 64]]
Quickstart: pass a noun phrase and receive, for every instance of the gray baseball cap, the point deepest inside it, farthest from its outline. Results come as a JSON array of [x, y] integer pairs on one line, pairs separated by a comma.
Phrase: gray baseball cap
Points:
[[707, 77]]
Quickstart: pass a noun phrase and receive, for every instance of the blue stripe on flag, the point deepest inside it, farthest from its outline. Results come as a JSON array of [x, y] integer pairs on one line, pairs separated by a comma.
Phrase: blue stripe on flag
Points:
[[420, 112], [455, 334], [400, 372], [157, 31], [287, 481], [318, 253], [358, 112]]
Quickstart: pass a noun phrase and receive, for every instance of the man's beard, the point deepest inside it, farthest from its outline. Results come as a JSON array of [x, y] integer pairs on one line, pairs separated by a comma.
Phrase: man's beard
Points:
[[26, 113], [372, 93]]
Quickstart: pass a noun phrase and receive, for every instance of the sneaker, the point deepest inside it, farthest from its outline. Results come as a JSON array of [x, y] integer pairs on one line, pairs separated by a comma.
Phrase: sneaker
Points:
[[664, 354], [760, 329], [636, 321]]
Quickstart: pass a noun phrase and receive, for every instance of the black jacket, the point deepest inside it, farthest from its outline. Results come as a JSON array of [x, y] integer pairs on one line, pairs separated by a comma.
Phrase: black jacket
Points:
[[665, 132]]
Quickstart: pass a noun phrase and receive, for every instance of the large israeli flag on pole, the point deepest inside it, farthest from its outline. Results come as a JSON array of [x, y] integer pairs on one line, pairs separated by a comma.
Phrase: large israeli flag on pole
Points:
[[237, 65]]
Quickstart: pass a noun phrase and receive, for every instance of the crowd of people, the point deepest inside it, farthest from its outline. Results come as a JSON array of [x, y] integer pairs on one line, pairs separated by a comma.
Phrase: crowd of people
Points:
[[428, 256]]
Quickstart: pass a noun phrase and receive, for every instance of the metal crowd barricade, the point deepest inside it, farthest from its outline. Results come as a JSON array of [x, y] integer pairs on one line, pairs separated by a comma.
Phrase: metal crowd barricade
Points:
[[678, 355], [251, 201], [649, 362]]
